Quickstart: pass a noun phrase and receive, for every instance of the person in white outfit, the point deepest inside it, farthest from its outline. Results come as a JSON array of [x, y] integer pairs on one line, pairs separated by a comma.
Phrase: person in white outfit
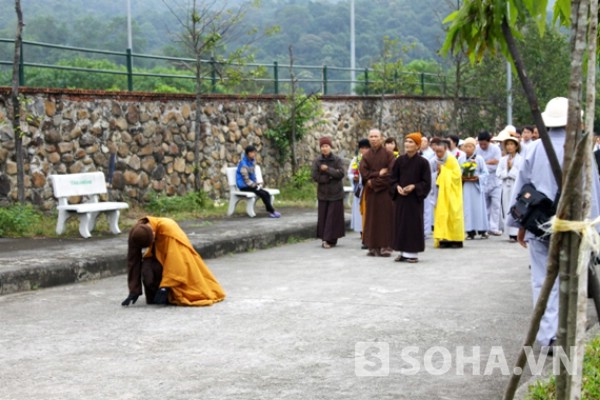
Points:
[[507, 172], [491, 153], [356, 222], [536, 170]]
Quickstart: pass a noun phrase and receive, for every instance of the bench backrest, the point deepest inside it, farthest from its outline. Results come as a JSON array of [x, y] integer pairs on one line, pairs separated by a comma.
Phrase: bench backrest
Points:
[[83, 184], [232, 172]]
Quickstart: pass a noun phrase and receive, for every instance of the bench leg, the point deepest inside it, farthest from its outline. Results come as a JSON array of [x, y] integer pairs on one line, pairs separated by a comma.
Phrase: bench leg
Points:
[[250, 207], [113, 221], [62, 219], [348, 199], [233, 200], [84, 225], [92, 223]]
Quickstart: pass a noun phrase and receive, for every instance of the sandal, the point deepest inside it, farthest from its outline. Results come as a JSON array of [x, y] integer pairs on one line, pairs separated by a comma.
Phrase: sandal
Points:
[[325, 245]]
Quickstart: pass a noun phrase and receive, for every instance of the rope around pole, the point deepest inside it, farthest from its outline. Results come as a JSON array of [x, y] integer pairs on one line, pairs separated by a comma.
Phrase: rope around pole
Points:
[[586, 229]]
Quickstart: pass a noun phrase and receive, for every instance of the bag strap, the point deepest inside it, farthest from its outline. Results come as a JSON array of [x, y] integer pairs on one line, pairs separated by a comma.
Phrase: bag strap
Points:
[[556, 170]]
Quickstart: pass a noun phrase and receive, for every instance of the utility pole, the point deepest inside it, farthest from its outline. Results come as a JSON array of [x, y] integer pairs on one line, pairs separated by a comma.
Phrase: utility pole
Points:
[[508, 84], [129, 35], [352, 50]]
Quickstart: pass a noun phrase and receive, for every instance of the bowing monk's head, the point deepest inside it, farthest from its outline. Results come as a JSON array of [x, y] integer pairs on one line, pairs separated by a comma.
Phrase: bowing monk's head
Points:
[[141, 235], [375, 138], [439, 146]]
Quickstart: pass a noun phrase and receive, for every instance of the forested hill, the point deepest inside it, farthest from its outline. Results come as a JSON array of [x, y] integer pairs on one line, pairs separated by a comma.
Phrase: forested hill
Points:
[[318, 30]]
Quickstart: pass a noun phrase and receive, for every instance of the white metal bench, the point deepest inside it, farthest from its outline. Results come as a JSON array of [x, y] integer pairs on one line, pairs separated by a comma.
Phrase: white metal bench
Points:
[[89, 185], [348, 195], [236, 195]]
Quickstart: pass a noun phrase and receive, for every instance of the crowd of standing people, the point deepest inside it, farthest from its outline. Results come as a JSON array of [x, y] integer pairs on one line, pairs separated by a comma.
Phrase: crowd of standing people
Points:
[[454, 190], [450, 189]]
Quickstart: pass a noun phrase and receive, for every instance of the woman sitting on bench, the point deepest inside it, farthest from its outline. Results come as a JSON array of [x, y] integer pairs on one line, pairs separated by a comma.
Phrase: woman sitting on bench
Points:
[[246, 180]]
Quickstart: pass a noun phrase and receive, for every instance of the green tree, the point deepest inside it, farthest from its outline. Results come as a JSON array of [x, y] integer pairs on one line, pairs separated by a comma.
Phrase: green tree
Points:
[[16, 105], [206, 27], [290, 122]]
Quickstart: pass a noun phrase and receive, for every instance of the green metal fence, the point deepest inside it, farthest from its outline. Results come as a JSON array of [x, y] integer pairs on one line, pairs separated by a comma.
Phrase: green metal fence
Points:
[[45, 64]]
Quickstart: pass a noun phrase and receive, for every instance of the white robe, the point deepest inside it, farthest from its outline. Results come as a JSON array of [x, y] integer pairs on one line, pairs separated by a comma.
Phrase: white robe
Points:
[[508, 178], [356, 219], [473, 197], [492, 186], [536, 170]]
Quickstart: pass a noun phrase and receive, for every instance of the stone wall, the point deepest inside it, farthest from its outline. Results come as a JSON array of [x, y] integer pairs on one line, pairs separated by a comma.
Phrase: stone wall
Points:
[[152, 136]]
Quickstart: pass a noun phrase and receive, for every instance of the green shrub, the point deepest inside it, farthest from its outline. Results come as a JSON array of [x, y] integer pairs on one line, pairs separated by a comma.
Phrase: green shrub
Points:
[[19, 220], [302, 177]]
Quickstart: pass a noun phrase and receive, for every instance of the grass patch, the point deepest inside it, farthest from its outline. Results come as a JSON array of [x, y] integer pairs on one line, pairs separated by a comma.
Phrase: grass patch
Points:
[[546, 390]]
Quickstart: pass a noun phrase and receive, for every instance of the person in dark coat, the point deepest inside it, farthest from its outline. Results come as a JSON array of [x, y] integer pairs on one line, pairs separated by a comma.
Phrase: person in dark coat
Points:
[[410, 184], [328, 172]]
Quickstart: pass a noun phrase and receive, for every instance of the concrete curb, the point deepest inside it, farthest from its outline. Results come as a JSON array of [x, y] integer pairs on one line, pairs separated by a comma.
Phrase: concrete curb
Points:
[[84, 260]]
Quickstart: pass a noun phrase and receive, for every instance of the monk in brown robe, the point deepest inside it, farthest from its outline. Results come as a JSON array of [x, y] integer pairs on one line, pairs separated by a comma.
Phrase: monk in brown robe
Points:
[[375, 168], [171, 270]]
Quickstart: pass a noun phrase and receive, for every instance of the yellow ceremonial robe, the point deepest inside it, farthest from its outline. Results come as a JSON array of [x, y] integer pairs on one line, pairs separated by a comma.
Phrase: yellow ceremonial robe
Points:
[[189, 280], [448, 215]]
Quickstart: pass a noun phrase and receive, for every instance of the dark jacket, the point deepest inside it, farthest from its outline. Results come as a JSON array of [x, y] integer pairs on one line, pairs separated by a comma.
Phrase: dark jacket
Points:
[[330, 186]]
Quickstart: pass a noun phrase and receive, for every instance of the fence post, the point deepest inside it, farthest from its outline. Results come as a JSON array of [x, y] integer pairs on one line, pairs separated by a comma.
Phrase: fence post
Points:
[[21, 66], [129, 70], [213, 75], [367, 81], [325, 80], [444, 88], [275, 77], [395, 81], [422, 83]]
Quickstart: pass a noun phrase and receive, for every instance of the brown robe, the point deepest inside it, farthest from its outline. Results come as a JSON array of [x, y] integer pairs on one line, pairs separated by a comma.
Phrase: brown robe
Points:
[[378, 218], [409, 232]]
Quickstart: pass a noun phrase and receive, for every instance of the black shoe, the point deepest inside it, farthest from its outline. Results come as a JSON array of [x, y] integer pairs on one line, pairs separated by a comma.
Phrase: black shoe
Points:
[[551, 347], [407, 259], [363, 247], [161, 297]]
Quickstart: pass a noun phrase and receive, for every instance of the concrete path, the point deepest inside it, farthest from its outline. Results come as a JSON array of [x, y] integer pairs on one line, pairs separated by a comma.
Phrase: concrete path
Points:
[[299, 322]]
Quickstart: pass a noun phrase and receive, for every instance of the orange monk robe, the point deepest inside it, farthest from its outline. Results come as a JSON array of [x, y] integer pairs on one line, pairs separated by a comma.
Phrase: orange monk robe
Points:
[[189, 280], [363, 208], [448, 214]]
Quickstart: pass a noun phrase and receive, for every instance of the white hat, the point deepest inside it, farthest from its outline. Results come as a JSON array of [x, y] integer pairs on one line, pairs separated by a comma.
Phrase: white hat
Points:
[[505, 133], [556, 112]]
